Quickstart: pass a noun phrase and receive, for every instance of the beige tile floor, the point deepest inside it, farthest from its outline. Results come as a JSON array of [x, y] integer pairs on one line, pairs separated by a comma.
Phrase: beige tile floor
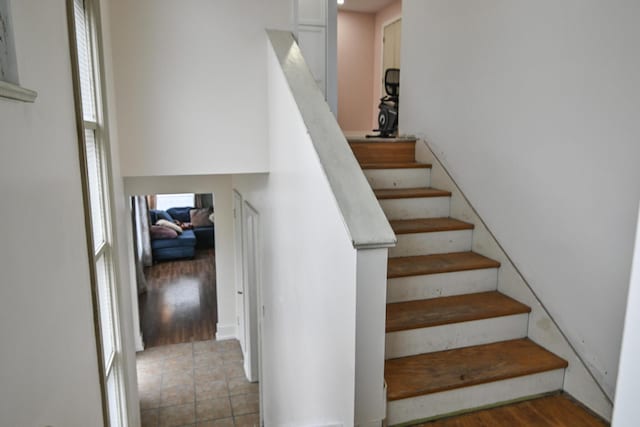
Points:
[[200, 384]]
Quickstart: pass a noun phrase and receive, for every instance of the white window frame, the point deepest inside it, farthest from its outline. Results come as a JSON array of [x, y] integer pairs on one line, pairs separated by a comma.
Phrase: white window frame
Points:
[[111, 365]]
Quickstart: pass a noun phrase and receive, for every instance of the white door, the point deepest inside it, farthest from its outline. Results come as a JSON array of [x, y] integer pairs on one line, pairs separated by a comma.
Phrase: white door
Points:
[[391, 42], [251, 290], [316, 28], [239, 268]]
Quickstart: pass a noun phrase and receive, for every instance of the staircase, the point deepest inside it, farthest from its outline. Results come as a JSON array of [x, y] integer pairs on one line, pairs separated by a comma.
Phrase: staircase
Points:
[[453, 342]]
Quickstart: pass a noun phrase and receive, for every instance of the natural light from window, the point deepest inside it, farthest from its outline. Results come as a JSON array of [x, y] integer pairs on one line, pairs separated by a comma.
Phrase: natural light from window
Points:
[[166, 201]]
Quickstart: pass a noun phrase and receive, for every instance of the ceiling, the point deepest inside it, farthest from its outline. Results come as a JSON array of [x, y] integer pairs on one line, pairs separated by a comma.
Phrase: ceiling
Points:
[[368, 6]]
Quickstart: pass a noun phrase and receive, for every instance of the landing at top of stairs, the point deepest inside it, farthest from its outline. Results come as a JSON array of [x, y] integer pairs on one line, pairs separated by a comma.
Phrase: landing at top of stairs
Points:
[[363, 139]]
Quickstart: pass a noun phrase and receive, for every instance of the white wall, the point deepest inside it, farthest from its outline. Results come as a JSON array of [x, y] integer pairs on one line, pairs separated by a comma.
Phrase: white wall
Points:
[[190, 84], [309, 295], [48, 362], [627, 411], [534, 108]]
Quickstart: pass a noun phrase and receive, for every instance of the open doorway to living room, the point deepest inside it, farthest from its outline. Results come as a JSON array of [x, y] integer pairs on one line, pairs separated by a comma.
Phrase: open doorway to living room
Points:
[[185, 375], [177, 285]]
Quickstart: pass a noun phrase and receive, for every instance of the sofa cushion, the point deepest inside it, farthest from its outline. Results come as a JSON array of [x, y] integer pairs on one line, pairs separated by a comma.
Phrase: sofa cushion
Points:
[[186, 239], [159, 232], [176, 252], [200, 217], [205, 237], [169, 224], [181, 214]]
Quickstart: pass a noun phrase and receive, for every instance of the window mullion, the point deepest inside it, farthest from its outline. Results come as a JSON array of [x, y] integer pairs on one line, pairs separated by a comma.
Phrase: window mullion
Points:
[[89, 124]]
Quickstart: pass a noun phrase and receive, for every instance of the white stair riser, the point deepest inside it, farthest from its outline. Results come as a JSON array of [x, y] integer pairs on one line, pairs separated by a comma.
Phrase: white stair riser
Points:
[[398, 178], [441, 285], [466, 398], [440, 242], [455, 335], [416, 207]]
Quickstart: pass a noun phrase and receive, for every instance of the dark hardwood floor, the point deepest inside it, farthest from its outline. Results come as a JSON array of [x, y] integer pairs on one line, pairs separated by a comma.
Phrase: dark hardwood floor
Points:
[[180, 303]]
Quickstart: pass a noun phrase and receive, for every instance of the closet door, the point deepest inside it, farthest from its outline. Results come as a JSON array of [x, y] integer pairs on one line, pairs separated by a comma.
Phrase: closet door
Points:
[[316, 32]]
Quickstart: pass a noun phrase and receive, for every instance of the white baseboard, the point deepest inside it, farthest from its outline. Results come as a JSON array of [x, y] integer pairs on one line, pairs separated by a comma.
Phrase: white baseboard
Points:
[[225, 331], [139, 342]]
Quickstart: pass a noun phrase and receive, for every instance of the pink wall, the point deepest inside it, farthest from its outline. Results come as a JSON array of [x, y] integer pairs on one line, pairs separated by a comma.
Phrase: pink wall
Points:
[[355, 70], [384, 16]]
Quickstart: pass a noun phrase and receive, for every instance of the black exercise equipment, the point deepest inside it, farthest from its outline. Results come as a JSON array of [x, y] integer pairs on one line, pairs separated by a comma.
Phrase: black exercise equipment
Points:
[[388, 115]]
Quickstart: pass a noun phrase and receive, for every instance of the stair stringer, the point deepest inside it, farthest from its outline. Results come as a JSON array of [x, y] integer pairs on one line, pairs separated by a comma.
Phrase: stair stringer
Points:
[[578, 380]]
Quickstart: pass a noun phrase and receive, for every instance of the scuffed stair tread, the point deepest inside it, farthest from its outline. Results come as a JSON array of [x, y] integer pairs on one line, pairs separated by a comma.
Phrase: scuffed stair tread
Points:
[[388, 151], [559, 410], [446, 310], [396, 165], [406, 193], [438, 263], [447, 370], [428, 225]]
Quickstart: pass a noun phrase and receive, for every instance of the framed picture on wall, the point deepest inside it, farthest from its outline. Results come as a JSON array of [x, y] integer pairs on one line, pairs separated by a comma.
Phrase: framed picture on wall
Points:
[[9, 82]]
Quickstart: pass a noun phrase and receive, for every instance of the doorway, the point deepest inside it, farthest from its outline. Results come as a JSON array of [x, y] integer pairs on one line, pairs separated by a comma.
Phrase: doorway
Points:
[[391, 41], [177, 284], [248, 295], [369, 39]]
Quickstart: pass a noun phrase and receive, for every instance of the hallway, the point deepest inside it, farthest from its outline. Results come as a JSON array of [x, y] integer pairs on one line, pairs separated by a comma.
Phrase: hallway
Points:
[[196, 384]]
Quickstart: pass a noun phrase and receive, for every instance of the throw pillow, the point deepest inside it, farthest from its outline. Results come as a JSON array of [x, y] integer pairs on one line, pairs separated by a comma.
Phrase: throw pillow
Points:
[[200, 217], [159, 232], [169, 224]]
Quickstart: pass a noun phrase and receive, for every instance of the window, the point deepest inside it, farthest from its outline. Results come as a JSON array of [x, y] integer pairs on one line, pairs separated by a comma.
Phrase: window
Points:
[[95, 157], [166, 201]]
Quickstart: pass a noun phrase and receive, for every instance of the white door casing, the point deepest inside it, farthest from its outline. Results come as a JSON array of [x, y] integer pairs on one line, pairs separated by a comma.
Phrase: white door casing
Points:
[[239, 269], [250, 221]]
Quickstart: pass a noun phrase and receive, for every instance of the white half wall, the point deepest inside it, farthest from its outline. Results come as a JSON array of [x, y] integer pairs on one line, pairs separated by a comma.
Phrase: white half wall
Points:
[[534, 108], [48, 361], [308, 276], [191, 84]]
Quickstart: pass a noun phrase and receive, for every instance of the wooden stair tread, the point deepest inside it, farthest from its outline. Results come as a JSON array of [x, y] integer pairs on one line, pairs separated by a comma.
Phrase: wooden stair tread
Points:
[[438, 263], [450, 369], [407, 193], [395, 165], [428, 225], [454, 309], [384, 151], [558, 410]]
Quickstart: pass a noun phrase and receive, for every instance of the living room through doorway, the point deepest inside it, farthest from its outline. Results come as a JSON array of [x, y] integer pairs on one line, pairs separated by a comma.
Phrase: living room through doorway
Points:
[[177, 284]]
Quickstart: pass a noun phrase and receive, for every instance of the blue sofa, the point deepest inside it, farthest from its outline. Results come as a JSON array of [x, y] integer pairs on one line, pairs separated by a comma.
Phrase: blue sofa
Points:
[[185, 245], [204, 235]]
